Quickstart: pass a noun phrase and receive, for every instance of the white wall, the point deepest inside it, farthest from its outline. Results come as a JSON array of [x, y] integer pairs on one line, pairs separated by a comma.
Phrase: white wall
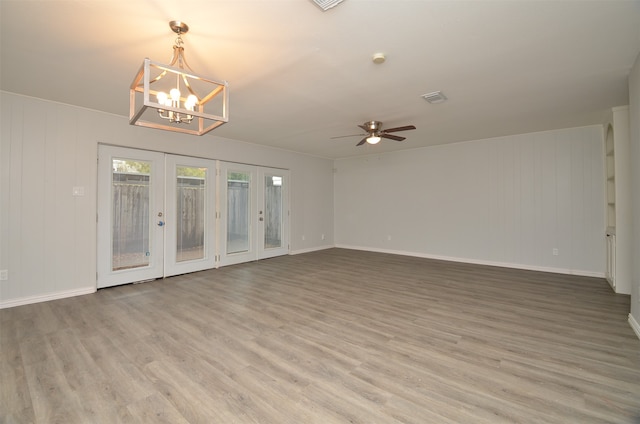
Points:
[[634, 121], [505, 201], [48, 237]]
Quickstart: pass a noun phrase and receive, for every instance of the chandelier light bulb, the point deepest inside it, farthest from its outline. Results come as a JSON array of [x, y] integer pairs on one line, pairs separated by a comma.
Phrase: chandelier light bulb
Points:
[[175, 94], [162, 97], [191, 102]]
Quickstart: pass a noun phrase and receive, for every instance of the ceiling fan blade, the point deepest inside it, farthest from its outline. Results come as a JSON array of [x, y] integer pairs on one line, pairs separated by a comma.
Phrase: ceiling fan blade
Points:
[[364, 140], [343, 136], [405, 128], [392, 137], [364, 128]]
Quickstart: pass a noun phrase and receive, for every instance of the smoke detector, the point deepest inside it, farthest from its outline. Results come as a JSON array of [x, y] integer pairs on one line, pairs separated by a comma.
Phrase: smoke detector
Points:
[[327, 4], [435, 97], [378, 58]]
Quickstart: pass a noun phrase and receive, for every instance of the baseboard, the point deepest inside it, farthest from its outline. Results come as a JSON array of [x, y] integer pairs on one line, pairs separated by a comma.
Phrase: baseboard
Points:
[[634, 325], [44, 298], [311, 249], [480, 262], [70, 293]]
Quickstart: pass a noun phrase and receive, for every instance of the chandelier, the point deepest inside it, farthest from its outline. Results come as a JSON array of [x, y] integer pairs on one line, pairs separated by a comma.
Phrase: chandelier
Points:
[[174, 98]]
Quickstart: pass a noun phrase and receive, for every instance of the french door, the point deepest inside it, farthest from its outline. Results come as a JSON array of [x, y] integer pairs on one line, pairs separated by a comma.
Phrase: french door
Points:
[[254, 213], [159, 214], [156, 215], [273, 212], [191, 215]]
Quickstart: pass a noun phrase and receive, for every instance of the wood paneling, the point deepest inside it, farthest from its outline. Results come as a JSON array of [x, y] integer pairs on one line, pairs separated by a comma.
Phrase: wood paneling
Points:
[[507, 200], [327, 337], [48, 236]]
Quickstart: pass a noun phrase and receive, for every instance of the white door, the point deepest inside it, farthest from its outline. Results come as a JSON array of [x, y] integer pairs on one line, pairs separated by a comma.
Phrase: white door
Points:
[[156, 215], [237, 213], [254, 213], [273, 213], [190, 215], [130, 215]]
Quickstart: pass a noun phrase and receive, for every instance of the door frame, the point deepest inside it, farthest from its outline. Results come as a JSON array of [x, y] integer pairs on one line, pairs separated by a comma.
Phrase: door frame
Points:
[[105, 275], [161, 215], [256, 250]]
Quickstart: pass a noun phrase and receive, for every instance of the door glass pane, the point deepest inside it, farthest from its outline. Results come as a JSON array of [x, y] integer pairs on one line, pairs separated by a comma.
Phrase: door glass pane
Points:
[[272, 212], [238, 207], [130, 226], [190, 212]]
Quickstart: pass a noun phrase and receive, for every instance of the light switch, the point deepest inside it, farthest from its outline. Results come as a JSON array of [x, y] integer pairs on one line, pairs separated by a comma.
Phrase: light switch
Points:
[[78, 191]]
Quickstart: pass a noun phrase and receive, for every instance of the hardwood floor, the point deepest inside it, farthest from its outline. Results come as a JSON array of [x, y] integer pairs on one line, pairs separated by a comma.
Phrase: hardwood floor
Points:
[[336, 336]]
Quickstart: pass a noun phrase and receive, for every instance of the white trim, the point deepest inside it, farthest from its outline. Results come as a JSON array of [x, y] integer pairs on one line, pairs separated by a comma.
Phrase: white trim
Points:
[[310, 249], [70, 293], [481, 262], [618, 108], [44, 298], [634, 325]]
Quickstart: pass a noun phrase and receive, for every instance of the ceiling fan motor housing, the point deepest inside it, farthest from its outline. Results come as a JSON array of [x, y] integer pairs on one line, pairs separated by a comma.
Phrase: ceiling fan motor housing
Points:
[[373, 126]]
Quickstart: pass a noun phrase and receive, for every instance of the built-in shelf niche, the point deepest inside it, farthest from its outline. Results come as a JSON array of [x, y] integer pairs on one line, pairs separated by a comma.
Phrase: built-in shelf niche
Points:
[[618, 198], [611, 179]]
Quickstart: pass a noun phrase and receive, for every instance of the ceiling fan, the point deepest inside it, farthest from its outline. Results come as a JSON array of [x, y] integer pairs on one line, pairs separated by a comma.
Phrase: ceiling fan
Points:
[[374, 133]]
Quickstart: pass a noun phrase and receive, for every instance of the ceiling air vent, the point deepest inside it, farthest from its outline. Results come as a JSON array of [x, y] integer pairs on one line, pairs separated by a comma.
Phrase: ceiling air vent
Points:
[[435, 97], [327, 4]]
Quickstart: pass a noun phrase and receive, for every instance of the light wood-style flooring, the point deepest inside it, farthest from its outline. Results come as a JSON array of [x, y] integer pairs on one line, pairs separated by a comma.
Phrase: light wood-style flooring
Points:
[[335, 336]]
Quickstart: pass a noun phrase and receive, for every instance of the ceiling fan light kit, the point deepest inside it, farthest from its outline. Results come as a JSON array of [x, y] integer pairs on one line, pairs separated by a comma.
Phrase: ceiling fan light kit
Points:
[[174, 98]]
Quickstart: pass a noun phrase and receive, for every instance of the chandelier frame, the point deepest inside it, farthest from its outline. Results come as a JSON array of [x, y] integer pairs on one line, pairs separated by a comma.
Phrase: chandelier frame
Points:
[[143, 94]]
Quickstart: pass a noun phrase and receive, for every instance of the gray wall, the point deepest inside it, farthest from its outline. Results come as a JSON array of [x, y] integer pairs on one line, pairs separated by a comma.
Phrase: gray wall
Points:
[[48, 236], [504, 201]]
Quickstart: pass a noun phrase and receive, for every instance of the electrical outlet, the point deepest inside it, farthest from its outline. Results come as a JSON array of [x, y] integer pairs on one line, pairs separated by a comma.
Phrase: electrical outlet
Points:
[[303, 238], [322, 237], [4, 274], [388, 238], [555, 251]]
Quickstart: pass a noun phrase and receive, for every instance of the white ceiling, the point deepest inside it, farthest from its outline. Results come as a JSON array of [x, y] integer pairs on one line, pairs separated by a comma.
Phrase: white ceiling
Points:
[[299, 76]]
